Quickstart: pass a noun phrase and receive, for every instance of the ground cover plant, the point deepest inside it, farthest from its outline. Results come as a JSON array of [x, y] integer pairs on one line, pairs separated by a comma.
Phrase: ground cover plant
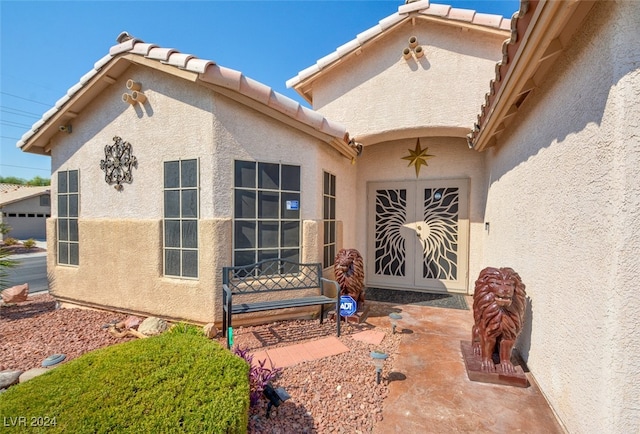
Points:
[[176, 382], [259, 374]]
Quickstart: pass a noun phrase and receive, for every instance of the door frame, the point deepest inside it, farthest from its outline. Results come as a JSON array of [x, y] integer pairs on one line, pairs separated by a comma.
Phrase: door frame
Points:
[[412, 279]]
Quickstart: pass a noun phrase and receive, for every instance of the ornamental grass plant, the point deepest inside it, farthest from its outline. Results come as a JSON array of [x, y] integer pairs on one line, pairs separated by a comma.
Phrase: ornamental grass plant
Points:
[[179, 381], [6, 263]]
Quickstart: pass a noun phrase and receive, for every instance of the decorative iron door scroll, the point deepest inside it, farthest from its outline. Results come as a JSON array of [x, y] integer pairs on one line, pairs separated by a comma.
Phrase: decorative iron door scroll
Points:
[[390, 217], [418, 235], [439, 240]]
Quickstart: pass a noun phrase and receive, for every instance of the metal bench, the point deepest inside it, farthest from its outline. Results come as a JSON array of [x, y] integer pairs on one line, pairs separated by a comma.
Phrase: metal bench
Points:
[[244, 289]]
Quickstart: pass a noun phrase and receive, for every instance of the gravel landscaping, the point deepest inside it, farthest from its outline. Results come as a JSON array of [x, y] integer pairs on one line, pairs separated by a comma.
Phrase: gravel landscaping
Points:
[[331, 395]]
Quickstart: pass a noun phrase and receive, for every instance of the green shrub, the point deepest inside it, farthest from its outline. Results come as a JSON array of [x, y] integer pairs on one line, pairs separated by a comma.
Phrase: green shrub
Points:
[[186, 329], [175, 382], [30, 243], [5, 264], [4, 228], [9, 241]]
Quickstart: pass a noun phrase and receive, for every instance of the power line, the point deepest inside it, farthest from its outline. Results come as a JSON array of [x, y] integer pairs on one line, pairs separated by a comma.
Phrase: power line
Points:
[[26, 99], [12, 138], [14, 124], [18, 112], [24, 167]]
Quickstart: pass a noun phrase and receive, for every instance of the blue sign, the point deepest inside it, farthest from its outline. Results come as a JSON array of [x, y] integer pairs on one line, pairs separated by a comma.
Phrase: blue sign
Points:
[[293, 205], [348, 305]]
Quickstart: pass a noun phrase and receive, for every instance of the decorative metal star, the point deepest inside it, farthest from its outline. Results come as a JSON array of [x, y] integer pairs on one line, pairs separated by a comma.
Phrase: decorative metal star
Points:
[[418, 157]]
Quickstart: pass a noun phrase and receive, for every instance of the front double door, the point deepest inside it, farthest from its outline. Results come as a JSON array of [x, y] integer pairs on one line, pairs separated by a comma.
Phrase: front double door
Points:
[[418, 235]]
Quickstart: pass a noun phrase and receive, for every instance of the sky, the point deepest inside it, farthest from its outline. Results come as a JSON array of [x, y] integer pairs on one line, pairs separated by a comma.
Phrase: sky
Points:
[[47, 46]]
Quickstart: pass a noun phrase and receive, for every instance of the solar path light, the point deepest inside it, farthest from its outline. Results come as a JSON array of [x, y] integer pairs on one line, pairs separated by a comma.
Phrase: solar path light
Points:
[[395, 317], [275, 396], [378, 362]]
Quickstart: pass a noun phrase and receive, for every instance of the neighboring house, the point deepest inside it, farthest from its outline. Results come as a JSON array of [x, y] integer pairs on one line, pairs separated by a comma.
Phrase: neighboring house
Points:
[[25, 210], [542, 177]]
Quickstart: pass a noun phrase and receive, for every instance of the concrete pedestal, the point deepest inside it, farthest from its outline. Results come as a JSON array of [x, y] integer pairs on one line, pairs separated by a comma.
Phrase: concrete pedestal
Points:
[[473, 364]]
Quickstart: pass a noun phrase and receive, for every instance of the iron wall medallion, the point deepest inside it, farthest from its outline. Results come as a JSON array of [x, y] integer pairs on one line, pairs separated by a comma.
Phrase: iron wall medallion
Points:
[[118, 162]]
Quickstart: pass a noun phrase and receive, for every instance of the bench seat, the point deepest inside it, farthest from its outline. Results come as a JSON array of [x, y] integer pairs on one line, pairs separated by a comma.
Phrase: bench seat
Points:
[[281, 304], [272, 276]]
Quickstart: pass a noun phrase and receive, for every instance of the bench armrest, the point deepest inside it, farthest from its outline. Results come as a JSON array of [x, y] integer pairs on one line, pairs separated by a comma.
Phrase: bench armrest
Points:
[[337, 286], [331, 282], [226, 295]]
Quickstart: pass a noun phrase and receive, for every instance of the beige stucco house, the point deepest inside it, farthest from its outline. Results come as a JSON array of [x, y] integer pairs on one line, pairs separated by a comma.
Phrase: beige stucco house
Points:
[[441, 141]]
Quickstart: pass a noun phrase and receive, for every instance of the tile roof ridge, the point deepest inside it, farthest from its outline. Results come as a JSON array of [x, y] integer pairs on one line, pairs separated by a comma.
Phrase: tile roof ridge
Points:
[[421, 7], [208, 72], [521, 18]]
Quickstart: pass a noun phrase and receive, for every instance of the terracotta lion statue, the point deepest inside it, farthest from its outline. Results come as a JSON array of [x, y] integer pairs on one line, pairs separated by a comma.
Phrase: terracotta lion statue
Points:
[[349, 271], [498, 312]]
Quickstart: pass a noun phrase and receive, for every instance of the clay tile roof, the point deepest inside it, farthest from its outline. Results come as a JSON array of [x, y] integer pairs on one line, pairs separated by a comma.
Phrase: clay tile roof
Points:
[[10, 193], [209, 72], [420, 8], [519, 22]]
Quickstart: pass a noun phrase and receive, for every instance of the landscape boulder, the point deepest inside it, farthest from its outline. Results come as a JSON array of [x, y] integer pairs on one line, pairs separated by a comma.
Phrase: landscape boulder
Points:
[[9, 378], [15, 294], [210, 331], [131, 322], [31, 373], [152, 326]]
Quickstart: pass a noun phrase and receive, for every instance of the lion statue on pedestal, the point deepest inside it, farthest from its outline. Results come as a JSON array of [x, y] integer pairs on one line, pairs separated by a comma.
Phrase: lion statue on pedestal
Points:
[[498, 312], [349, 272]]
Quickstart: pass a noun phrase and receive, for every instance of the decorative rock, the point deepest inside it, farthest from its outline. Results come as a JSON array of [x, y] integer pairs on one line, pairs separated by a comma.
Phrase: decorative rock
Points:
[[9, 378], [15, 294], [210, 331], [53, 360], [152, 326], [131, 322], [32, 373]]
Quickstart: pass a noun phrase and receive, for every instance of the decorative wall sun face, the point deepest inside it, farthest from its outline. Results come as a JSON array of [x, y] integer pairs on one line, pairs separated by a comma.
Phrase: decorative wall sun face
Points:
[[418, 157], [118, 162]]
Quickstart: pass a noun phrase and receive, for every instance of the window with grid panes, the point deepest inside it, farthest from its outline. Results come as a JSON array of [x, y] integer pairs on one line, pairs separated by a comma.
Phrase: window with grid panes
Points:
[[180, 225], [45, 200], [68, 212], [266, 220], [329, 219]]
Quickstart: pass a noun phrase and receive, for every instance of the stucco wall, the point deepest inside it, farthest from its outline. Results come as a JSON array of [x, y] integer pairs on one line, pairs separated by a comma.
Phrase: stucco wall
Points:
[[563, 205], [378, 90], [453, 160], [121, 267], [121, 231]]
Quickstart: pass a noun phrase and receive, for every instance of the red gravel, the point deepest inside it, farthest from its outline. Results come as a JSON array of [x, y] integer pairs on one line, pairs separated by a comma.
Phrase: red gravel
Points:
[[35, 329], [337, 394]]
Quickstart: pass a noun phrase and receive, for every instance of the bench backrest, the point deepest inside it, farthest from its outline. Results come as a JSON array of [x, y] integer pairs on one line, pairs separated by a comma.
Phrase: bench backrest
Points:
[[271, 275]]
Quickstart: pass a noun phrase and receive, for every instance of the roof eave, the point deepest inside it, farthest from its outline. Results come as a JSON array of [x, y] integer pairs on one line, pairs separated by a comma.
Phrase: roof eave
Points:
[[199, 71], [333, 135], [547, 33], [70, 105], [302, 83]]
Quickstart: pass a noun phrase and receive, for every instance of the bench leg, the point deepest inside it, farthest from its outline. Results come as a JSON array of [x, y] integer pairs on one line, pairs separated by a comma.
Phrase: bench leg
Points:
[[227, 330], [338, 318], [224, 323]]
